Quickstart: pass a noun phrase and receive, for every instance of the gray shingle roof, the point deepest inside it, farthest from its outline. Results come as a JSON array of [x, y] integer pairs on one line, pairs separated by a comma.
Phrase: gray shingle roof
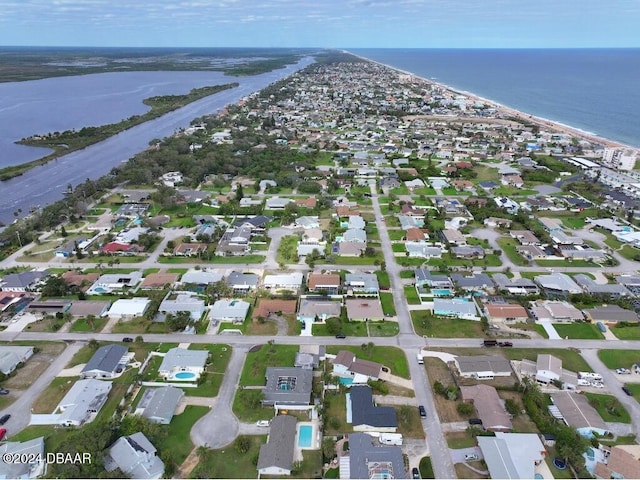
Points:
[[163, 403], [106, 359], [297, 391], [136, 456], [181, 357], [278, 451], [365, 458], [364, 412]]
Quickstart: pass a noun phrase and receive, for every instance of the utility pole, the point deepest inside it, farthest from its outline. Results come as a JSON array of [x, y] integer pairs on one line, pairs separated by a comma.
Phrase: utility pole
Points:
[[19, 239]]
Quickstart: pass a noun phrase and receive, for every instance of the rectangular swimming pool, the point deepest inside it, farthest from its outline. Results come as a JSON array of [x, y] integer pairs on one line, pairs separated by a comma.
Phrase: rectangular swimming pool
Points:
[[305, 433]]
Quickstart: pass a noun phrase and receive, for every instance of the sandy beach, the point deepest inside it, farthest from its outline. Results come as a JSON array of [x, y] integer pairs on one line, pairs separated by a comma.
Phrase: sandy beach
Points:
[[505, 111]]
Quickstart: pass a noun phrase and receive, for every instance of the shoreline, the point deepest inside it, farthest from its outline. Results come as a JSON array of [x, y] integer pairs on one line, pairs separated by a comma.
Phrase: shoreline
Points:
[[513, 112]]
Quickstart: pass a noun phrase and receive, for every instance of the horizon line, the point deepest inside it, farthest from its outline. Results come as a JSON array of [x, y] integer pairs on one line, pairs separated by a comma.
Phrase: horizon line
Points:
[[326, 48]]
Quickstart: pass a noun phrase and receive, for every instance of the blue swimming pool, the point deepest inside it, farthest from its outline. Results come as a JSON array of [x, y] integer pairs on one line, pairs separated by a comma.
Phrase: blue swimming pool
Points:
[[100, 290], [345, 381], [305, 436], [441, 292], [184, 375]]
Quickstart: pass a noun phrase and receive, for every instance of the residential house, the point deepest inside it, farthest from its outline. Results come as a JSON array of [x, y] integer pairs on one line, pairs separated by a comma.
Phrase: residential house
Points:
[[576, 411], [136, 456], [354, 235], [512, 455], [126, 308], [369, 460], [176, 302], [467, 251], [200, 279], [555, 311], [120, 248], [497, 222], [11, 356], [482, 367], [277, 203], [81, 403], [312, 310], [515, 286], [408, 223], [158, 280], [346, 365], [266, 307], [474, 282], [623, 461], [611, 315], [115, 282], [108, 362], [366, 416], [287, 386], [416, 235], [229, 310], [506, 203], [27, 281], [308, 222], [276, 456], [422, 250], [327, 283], [242, 282], [489, 407], [364, 309], [361, 284], [350, 249], [235, 242], [132, 210], [34, 466], [613, 290], [190, 249], [75, 279], [452, 237], [525, 237], [287, 282], [455, 308], [557, 283], [411, 211], [426, 279], [179, 361], [160, 404], [502, 312]]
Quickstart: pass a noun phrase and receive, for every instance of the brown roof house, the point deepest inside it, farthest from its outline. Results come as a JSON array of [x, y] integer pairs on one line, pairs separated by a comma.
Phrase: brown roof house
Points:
[[346, 365], [623, 462], [158, 280], [574, 409], [324, 282], [73, 278], [266, 307], [489, 406], [506, 312], [364, 309], [190, 249]]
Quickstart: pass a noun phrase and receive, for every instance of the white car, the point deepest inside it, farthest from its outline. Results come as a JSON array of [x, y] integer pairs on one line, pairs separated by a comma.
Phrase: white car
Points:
[[263, 423]]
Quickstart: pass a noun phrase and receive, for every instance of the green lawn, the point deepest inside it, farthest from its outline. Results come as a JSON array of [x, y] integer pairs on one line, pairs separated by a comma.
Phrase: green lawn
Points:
[[573, 222], [635, 390], [256, 363], [412, 295], [247, 259], [629, 332], [396, 235], [619, 358], [96, 325], [228, 462], [210, 384], [586, 331], [391, 357], [608, 407], [383, 329], [428, 325], [566, 263], [383, 279], [398, 247], [508, 246], [386, 299], [178, 440], [426, 469], [288, 250], [350, 329], [407, 274], [629, 252], [359, 260]]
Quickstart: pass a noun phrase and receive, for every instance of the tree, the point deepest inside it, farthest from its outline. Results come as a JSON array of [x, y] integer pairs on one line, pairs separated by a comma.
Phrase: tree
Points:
[[328, 449], [333, 325], [242, 444], [465, 409], [239, 192], [63, 231], [93, 344], [512, 406], [178, 321], [54, 287]]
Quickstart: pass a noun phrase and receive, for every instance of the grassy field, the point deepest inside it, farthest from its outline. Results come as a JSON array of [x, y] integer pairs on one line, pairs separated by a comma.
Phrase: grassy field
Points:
[[178, 440], [82, 325], [228, 462], [631, 332], [383, 329], [508, 246], [635, 390], [411, 295], [388, 307], [608, 407], [350, 329], [51, 396], [426, 324], [587, 331], [619, 358], [256, 363], [391, 357], [210, 385], [426, 469]]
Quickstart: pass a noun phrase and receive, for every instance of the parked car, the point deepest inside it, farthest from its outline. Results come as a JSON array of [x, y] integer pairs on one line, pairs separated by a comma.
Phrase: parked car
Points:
[[475, 421], [471, 456], [5, 418], [627, 391], [127, 339], [415, 473], [263, 423], [505, 344], [341, 335], [423, 411], [3, 433], [4, 391]]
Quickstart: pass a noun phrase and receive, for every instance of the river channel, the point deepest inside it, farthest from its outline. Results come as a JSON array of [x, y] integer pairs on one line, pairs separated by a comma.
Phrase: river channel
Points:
[[45, 184]]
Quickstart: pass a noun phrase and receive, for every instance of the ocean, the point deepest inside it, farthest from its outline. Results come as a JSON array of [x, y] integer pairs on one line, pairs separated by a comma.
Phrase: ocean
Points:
[[595, 90]]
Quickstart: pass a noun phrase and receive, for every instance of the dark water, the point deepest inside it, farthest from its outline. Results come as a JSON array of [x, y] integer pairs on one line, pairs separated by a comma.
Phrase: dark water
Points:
[[46, 184], [591, 89]]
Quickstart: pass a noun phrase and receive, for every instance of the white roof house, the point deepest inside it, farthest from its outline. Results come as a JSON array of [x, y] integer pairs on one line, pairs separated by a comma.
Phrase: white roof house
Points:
[[159, 404], [558, 282], [32, 450], [176, 302], [354, 235], [284, 281], [455, 307], [512, 455], [82, 401], [307, 222], [11, 356], [277, 203], [129, 307], [136, 456], [201, 277], [182, 360], [114, 282], [229, 310]]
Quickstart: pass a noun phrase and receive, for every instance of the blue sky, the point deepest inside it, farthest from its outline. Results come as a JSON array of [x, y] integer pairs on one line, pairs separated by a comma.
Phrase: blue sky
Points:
[[322, 23]]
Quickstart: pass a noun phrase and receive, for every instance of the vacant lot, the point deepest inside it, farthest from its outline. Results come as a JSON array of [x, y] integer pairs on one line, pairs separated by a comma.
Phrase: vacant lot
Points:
[[24, 376], [587, 331], [619, 358], [256, 363], [431, 326], [391, 357]]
